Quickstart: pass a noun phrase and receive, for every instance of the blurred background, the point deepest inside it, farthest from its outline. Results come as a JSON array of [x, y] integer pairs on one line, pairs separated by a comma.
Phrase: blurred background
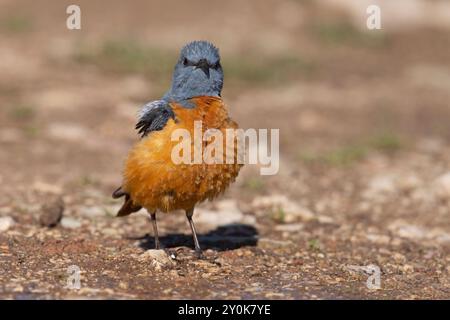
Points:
[[363, 117]]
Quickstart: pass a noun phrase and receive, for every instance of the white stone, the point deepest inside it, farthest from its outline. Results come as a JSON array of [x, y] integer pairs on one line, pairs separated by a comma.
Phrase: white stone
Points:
[[158, 259], [442, 186], [6, 223], [70, 223]]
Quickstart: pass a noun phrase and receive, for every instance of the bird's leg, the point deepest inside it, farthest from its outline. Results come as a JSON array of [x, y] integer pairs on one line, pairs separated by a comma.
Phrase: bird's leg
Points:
[[189, 214], [155, 230]]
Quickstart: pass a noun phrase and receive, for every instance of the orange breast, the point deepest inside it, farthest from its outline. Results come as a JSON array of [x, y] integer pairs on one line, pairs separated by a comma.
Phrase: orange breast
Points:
[[155, 182]]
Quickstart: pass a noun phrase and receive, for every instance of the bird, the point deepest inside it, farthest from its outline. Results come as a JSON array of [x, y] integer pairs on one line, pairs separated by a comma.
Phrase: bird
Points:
[[151, 180]]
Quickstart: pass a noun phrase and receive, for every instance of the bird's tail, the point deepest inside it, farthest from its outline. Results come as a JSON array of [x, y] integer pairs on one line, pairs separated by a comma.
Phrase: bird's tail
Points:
[[128, 206]]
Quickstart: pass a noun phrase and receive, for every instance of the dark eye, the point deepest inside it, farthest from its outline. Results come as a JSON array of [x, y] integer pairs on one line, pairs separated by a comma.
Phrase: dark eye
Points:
[[185, 62], [217, 65]]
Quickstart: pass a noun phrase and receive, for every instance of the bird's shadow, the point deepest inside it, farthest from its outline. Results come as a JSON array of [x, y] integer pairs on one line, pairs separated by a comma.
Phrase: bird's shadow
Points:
[[227, 237]]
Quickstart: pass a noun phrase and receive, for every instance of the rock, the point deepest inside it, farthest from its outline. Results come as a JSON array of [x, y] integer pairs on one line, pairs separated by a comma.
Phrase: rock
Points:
[[6, 223], [70, 223], [51, 212], [158, 259], [442, 186], [289, 210], [227, 212]]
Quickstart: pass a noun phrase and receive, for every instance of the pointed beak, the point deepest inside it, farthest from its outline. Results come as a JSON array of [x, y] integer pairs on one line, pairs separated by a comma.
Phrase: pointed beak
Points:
[[204, 66]]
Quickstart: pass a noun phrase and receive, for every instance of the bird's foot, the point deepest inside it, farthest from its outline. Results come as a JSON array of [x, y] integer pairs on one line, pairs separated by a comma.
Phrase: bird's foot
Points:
[[199, 254]]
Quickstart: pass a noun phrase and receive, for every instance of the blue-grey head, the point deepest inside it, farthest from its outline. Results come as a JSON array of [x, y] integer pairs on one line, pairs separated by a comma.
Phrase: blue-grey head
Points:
[[197, 73]]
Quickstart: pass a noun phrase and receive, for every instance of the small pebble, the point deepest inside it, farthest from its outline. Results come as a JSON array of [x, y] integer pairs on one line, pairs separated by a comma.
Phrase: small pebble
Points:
[[158, 259], [6, 223], [70, 223], [51, 212]]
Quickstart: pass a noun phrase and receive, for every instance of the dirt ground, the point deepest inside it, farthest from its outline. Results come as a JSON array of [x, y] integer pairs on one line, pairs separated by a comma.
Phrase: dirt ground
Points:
[[364, 173]]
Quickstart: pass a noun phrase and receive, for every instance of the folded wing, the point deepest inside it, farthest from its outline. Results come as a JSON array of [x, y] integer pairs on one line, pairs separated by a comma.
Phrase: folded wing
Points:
[[152, 117]]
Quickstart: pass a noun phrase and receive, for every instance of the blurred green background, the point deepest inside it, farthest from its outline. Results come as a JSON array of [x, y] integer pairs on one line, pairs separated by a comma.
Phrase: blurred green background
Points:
[[341, 94]]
